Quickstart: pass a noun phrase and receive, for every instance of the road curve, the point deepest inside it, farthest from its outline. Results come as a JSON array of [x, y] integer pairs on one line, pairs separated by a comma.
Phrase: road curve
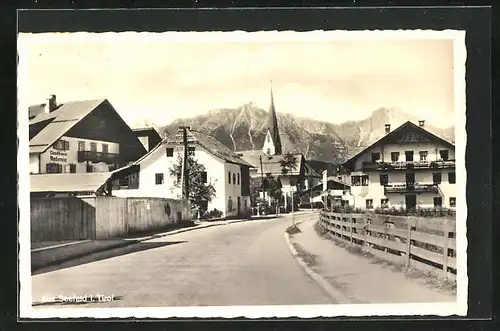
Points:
[[237, 264]]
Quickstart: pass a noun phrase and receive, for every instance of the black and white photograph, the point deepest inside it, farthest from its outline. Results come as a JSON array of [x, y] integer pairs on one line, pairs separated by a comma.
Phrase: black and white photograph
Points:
[[242, 174]]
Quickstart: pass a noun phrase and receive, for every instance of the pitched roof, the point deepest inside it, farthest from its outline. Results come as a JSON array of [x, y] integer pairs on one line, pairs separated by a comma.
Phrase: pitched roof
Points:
[[79, 182], [272, 126], [59, 122], [270, 163], [397, 132], [208, 142]]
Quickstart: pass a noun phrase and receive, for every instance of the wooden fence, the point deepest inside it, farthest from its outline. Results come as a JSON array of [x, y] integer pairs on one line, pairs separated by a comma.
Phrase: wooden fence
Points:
[[73, 218], [423, 245]]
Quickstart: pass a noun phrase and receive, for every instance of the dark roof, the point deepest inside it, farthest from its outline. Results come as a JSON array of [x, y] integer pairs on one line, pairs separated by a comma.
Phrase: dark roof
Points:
[[208, 142], [58, 122], [407, 126]]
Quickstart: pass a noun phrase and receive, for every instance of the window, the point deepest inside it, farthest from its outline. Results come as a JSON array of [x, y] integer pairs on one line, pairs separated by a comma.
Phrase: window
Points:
[[170, 152], [423, 155], [360, 180], [234, 178], [375, 157], [90, 168], [204, 176], [159, 179], [61, 145], [356, 180], [268, 151], [409, 156], [229, 176], [268, 138], [453, 202], [191, 151], [436, 178], [72, 168], [394, 156], [384, 203], [230, 204], [93, 147], [451, 178], [53, 168], [444, 155], [105, 148], [364, 180], [81, 146], [369, 203], [438, 201], [238, 179], [384, 179]]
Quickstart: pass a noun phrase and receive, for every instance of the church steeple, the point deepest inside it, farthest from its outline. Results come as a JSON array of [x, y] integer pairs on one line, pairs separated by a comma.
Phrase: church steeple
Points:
[[272, 145]]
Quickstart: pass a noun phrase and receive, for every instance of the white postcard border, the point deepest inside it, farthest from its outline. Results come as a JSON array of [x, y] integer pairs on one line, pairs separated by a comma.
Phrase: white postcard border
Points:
[[304, 311]]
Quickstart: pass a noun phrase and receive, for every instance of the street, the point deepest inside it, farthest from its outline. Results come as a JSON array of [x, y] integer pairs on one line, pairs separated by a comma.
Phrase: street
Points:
[[244, 263]]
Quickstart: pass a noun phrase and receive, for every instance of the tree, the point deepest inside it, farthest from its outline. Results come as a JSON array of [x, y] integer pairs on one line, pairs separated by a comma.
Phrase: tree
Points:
[[288, 165], [201, 191]]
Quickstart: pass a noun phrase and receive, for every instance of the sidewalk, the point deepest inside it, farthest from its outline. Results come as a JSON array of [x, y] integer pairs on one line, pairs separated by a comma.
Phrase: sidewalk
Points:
[[356, 278], [53, 253]]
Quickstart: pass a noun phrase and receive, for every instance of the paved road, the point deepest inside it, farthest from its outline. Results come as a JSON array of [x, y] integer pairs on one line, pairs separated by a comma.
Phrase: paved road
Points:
[[237, 264]]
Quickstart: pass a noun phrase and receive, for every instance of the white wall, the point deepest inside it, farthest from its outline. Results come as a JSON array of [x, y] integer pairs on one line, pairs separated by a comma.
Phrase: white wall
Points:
[[376, 192], [268, 144], [217, 173], [34, 163], [67, 157]]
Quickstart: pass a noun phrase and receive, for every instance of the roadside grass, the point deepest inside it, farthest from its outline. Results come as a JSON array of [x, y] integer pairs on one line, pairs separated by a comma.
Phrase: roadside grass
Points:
[[293, 229], [429, 278], [309, 259]]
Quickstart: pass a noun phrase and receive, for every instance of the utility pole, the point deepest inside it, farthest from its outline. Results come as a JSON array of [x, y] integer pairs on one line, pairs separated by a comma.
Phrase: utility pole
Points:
[[185, 164]]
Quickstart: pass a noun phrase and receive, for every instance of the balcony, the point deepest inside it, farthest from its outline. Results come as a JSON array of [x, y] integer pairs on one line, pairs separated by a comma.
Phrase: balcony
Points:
[[96, 157], [411, 188], [410, 165]]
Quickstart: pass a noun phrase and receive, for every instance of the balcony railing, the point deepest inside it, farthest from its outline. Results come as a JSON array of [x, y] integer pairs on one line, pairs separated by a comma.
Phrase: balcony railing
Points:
[[96, 157], [387, 166], [411, 188]]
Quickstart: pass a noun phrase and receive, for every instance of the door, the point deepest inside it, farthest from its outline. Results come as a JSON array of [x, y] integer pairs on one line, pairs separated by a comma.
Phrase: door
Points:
[[239, 206], [410, 181], [411, 201]]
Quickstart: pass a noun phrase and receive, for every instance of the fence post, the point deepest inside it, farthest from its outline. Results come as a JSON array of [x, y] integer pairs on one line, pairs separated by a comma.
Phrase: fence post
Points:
[[446, 245], [350, 228], [366, 234], [408, 244]]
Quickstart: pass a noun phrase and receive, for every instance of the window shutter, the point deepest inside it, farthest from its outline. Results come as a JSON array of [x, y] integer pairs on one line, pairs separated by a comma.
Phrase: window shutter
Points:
[[66, 145]]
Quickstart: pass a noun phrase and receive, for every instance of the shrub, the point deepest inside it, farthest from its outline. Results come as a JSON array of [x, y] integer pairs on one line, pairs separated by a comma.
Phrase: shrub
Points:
[[214, 213]]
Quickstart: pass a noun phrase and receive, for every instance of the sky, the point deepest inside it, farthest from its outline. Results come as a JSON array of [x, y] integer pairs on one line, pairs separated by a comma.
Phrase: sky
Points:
[[160, 79]]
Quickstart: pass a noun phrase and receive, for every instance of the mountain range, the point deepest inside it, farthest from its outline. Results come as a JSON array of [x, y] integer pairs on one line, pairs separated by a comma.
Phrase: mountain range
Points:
[[245, 127]]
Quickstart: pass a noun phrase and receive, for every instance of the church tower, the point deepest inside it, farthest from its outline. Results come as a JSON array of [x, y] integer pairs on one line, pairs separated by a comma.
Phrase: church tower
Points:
[[272, 142]]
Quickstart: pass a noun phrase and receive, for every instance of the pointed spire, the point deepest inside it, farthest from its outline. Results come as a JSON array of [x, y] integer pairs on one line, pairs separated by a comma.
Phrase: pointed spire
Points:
[[273, 125]]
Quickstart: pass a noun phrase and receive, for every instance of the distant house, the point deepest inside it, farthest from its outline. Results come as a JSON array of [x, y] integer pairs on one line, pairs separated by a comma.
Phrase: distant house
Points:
[[228, 173], [409, 167], [79, 137]]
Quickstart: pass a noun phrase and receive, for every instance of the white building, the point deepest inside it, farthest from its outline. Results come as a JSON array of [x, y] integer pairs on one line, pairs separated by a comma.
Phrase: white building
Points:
[[79, 137], [228, 174], [407, 168]]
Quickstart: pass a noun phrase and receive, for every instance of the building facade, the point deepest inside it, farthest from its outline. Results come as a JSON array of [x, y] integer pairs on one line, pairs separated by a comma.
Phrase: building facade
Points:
[[407, 168], [80, 137], [227, 173]]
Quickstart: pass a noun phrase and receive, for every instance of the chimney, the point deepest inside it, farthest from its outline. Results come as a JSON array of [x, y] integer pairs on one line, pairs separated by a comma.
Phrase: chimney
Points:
[[421, 123], [387, 128], [50, 105]]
